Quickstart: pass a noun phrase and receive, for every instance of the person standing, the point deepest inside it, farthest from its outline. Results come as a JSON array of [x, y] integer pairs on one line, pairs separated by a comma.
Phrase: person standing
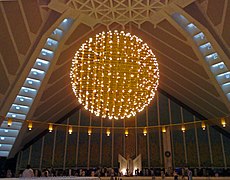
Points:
[[183, 173], [28, 172], [189, 174], [175, 175], [8, 173], [162, 175], [153, 174]]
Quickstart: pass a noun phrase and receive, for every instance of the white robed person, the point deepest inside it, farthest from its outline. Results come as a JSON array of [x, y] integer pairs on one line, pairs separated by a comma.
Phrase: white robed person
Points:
[[28, 172], [129, 165]]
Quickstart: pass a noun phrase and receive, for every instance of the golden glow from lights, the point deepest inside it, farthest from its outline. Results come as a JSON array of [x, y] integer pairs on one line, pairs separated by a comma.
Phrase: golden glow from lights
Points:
[[50, 127], [145, 131], [183, 128], [89, 131], [124, 171], [70, 129], [9, 122], [108, 132], [223, 122], [203, 125], [30, 125], [114, 75], [126, 132], [163, 129]]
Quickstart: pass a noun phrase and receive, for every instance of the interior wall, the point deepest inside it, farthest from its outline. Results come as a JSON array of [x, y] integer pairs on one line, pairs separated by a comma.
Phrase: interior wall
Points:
[[194, 148]]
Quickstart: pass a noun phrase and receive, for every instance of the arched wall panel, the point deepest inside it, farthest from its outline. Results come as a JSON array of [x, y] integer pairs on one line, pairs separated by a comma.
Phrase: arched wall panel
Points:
[[193, 148]]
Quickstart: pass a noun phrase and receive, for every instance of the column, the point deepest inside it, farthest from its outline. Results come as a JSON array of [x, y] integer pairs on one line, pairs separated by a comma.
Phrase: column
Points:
[[167, 150]]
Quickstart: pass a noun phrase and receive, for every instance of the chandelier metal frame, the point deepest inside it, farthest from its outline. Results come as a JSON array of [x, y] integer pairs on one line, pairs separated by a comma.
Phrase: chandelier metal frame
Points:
[[114, 74]]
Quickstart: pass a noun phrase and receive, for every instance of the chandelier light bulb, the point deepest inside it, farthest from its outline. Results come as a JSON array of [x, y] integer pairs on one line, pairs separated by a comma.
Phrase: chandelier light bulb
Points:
[[108, 132], [30, 125], [203, 125], [50, 127], [163, 129], [9, 122], [223, 122], [89, 131], [145, 131], [114, 74], [70, 129], [126, 132], [183, 128]]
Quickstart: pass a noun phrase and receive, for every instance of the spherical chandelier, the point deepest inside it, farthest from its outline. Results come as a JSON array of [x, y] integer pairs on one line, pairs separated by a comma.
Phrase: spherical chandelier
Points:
[[114, 74]]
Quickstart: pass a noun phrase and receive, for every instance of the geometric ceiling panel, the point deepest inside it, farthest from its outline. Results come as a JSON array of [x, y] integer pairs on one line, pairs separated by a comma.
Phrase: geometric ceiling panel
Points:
[[119, 11]]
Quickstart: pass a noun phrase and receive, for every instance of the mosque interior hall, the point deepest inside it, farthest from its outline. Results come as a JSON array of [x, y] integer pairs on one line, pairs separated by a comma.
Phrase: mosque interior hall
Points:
[[115, 88]]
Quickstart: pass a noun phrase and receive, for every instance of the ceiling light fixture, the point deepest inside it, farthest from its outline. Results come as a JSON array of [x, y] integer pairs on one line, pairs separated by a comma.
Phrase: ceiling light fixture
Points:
[[114, 74]]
